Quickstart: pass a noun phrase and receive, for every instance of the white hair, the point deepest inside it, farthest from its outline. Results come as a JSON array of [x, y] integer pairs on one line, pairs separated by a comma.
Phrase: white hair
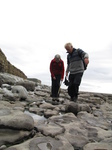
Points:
[[68, 45], [57, 56]]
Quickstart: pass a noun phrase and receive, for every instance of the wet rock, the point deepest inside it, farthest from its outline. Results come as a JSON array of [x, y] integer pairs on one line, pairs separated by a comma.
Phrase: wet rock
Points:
[[15, 119]]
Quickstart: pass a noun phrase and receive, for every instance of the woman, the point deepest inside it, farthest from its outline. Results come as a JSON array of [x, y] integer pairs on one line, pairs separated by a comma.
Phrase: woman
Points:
[[57, 74]]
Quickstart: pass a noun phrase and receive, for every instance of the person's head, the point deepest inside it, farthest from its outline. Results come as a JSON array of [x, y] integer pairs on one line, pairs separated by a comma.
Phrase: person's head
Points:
[[69, 47], [57, 57]]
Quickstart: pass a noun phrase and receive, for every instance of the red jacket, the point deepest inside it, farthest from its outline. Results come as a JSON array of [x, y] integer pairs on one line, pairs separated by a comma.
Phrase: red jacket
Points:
[[57, 68]]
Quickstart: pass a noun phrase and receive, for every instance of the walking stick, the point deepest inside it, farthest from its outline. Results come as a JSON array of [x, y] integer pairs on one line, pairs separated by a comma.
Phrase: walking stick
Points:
[[59, 87]]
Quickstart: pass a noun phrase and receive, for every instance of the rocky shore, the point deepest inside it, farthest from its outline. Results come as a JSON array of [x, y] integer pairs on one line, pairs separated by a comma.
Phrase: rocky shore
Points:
[[62, 125]]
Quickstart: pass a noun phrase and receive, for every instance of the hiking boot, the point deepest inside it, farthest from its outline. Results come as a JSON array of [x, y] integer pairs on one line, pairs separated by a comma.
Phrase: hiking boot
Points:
[[74, 99], [55, 99]]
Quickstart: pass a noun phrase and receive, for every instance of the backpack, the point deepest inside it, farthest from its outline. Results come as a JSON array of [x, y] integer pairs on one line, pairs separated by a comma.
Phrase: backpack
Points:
[[85, 65]]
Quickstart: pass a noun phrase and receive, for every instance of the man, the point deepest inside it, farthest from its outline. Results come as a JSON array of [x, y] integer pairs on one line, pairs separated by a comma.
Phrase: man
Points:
[[57, 74], [75, 66]]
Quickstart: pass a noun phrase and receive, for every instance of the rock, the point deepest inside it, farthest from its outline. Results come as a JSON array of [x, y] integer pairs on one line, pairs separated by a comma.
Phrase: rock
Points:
[[29, 85], [98, 146], [7, 86], [15, 119], [43, 143], [94, 121], [86, 124], [50, 129], [10, 79], [49, 113], [9, 96], [37, 81], [21, 91], [11, 136], [75, 108], [72, 107]]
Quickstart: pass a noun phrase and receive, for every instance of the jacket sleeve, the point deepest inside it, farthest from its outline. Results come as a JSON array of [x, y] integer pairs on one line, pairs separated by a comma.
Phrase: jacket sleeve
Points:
[[51, 70], [82, 54]]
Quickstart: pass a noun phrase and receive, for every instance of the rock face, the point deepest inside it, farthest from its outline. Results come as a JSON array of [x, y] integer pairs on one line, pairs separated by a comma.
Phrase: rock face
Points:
[[61, 124], [7, 67]]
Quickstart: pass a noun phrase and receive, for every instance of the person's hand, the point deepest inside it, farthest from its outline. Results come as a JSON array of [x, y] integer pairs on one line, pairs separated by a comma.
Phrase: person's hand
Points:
[[66, 74], [86, 60], [54, 78]]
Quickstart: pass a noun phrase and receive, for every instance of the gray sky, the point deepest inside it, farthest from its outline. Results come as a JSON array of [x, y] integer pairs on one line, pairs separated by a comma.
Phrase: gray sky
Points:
[[33, 31]]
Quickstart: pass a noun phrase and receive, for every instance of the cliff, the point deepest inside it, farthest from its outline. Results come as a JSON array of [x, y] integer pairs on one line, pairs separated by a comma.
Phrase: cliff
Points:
[[7, 67]]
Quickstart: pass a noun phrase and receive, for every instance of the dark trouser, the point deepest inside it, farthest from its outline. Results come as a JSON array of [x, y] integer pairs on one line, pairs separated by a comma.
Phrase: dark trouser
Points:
[[74, 83], [55, 86]]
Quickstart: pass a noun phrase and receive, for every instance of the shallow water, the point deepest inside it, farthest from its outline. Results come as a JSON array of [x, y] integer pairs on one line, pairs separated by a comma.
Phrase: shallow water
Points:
[[35, 116]]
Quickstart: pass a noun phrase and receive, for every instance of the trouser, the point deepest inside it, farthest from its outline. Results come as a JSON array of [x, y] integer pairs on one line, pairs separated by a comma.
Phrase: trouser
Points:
[[74, 83], [55, 86]]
